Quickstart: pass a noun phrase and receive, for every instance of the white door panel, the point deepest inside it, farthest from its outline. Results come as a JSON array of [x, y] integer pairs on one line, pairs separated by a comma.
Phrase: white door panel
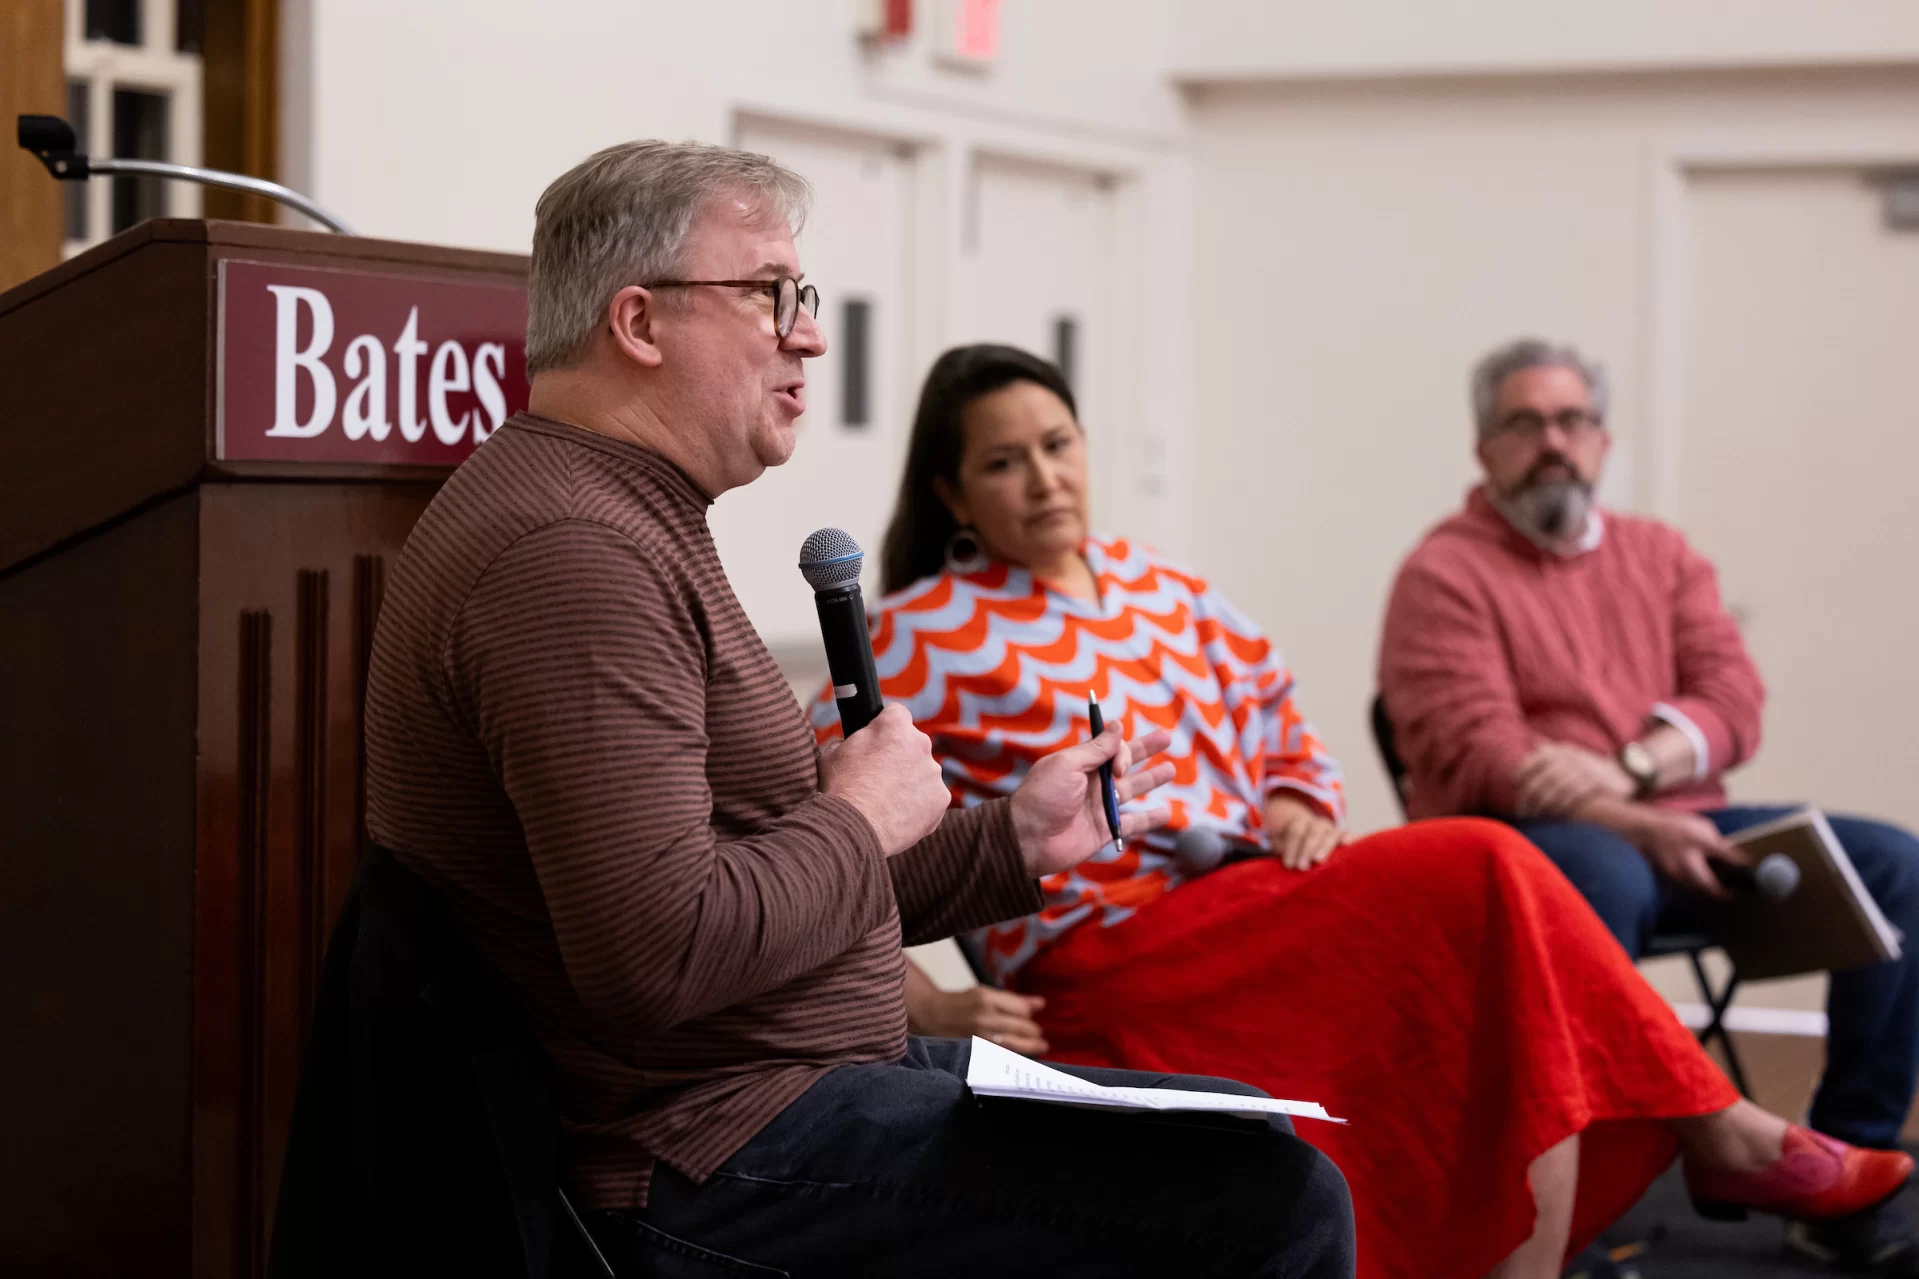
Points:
[[1042, 246], [855, 247], [1797, 454]]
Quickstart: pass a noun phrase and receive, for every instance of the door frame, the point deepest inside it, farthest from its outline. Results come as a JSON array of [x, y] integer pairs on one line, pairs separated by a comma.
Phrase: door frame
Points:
[[1670, 165]]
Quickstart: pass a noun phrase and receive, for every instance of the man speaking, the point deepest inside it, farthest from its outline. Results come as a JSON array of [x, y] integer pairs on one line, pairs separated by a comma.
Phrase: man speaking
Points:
[[575, 736]]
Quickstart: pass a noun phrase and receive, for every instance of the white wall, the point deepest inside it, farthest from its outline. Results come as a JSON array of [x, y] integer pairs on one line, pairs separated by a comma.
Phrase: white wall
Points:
[[1272, 39], [443, 120], [1359, 244], [1322, 214]]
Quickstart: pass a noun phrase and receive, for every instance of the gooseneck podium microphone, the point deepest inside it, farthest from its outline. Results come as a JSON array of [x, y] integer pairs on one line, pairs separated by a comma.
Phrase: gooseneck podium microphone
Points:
[[830, 562]]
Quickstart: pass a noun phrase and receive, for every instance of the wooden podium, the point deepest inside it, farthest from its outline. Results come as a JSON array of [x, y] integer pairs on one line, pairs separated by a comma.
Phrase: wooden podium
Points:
[[216, 437]]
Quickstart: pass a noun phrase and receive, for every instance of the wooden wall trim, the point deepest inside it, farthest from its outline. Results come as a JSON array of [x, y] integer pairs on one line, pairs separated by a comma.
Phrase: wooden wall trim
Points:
[[369, 589], [310, 770], [255, 781], [241, 95], [32, 79]]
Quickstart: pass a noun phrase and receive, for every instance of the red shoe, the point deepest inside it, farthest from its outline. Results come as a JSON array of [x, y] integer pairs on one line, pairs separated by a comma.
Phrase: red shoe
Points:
[[1815, 1178]]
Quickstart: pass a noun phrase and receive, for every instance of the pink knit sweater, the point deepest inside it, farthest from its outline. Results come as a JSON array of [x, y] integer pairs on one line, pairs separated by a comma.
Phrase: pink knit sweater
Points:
[[1493, 644]]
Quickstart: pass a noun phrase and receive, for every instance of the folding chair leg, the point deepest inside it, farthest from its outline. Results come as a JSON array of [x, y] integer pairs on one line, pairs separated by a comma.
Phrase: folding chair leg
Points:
[[1733, 1066], [1716, 1005], [585, 1235]]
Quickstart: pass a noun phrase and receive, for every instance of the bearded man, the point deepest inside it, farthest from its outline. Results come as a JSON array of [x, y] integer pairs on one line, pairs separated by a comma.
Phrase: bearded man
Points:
[[1572, 671]]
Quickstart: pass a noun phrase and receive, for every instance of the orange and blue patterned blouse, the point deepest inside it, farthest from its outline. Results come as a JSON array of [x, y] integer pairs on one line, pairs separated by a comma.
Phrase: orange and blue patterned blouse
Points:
[[997, 668]]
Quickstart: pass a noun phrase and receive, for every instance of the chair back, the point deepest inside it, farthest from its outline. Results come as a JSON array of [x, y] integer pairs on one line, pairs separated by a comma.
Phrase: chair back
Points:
[[975, 961], [1388, 754], [425, 1138]]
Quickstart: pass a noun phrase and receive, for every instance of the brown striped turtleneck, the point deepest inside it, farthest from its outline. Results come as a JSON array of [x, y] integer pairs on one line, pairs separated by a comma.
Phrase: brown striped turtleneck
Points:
[[575, 735]]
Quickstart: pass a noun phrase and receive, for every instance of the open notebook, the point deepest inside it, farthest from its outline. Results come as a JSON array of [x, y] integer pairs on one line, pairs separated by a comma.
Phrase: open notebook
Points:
[[996, 1072]]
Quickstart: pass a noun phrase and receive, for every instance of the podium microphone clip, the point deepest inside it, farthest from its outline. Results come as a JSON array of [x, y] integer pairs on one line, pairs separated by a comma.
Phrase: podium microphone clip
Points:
[[52, 142]]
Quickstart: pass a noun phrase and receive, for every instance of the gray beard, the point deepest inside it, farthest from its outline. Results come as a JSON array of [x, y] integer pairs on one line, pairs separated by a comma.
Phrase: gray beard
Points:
[[1556, 510]]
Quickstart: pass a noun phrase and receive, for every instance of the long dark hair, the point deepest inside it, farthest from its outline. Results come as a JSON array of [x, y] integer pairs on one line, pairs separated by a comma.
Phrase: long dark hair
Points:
[[915, 545]]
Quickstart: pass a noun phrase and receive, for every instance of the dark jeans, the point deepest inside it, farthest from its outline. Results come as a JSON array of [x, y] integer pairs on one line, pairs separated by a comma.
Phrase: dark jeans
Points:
[[1872, 1041], [898, 1170]]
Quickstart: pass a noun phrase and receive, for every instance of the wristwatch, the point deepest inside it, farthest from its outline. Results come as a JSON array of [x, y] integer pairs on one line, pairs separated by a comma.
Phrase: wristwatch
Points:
[[1641, 767]]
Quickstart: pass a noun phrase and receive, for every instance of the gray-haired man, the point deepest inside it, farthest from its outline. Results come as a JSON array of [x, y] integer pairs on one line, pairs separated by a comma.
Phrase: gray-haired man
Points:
[[575, 735]]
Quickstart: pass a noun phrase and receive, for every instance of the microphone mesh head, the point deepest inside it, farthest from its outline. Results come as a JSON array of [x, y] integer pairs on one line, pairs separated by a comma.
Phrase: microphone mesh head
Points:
[[1777, 876], [830, 558], [1199, 849]]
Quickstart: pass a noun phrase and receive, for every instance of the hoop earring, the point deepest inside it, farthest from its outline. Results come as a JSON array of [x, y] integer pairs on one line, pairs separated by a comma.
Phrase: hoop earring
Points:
[[964, 553]]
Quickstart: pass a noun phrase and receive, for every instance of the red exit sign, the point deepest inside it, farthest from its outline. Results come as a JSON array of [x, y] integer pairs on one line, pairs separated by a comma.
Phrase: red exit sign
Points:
[[969, 31], [345, 366]]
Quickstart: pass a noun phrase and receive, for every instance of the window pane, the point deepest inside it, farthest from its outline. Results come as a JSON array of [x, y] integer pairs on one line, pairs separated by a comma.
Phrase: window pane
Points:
[[115, 20], [190, 25], [139, 133], [79, 117], [857, 368], [1065, 346]]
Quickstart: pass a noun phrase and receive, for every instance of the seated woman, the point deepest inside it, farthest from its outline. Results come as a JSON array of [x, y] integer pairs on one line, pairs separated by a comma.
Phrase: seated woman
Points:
[[1512, 1082]]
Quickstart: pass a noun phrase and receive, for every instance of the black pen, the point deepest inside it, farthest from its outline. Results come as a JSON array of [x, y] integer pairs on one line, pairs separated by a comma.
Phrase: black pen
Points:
[[1098, 724]]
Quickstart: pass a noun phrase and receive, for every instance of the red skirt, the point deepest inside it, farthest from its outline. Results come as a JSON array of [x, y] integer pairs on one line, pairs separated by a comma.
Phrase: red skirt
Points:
[[1444, 988]]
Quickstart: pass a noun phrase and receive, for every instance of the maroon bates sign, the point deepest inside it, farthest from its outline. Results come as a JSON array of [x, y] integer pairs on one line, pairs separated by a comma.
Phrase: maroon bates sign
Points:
[[340, 366]]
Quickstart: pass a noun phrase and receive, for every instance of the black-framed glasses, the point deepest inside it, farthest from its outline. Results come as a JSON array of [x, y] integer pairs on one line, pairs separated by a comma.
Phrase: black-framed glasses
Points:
[[788, 294], [1571, 421]]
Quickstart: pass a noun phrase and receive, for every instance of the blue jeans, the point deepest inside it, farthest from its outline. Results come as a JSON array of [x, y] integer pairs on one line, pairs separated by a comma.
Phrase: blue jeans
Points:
[[1872, 1040], [895, 1168]]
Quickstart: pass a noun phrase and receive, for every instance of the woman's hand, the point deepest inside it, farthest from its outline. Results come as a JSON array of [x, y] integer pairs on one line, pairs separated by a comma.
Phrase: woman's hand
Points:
[[996, 1015], [999, 1016], [1296, 833]]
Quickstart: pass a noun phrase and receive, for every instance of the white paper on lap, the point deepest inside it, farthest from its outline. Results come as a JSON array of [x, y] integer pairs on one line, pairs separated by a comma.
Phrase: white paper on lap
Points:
[[997, 1072]]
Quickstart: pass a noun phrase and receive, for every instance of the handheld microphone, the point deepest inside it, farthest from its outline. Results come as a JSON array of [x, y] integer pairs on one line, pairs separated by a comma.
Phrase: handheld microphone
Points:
[[1200, 849], [1776, 877], [830, 562]]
